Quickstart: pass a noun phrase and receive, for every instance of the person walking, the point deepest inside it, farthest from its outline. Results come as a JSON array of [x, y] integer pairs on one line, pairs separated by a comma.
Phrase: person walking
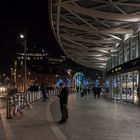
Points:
[[94, 92], [63, 98], [43, 91], [98, 91]]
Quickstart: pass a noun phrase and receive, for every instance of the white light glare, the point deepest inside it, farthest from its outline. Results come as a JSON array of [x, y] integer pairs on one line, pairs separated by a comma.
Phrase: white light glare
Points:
[[69, 72], [2, 89], [113, 54], [104, 59], [103, 51], [117, 44], [101, 66], [127, 36], [21, 36], [115, 50], [97, 55]]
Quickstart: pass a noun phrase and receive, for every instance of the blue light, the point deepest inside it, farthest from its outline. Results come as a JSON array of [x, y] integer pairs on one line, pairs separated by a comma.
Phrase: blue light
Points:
[[97, 83], [85, 82], [58, 82], [68, 83]]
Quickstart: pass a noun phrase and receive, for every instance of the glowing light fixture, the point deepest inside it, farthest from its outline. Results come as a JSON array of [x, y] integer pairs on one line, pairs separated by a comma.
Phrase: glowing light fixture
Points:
[[103, 58], [117, 44], [101, 66], [115, 50], [21, 36], [127, 36], [97, 55], [104, 51]]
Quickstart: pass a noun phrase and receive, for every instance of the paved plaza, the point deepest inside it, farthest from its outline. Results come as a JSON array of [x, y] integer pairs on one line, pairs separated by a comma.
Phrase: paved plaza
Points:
[[89, 119]]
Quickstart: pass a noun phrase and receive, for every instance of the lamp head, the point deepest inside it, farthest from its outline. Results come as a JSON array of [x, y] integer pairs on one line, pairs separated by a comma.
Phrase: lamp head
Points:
[[21, 36]]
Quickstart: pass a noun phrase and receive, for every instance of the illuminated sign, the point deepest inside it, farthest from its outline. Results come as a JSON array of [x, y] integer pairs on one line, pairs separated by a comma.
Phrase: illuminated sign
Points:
[[135, 64], [117, 69]]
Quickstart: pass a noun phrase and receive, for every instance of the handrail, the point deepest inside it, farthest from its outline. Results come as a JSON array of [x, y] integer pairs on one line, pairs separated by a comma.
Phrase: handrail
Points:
[[19, 101]]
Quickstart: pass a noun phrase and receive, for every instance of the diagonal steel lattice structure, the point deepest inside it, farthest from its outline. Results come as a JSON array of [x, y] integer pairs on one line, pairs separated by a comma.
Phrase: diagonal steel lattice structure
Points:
[[89, 31]]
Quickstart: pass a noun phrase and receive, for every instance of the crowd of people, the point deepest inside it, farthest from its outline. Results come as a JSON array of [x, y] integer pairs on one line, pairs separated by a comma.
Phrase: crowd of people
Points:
[[96, 91], [63, 97]]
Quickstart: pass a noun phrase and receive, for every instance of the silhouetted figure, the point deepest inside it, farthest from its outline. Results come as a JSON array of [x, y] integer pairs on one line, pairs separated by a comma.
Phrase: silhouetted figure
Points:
[[63, 96], [94, 92], [43, 91], [98, 91], [82, 93], [88, 90]]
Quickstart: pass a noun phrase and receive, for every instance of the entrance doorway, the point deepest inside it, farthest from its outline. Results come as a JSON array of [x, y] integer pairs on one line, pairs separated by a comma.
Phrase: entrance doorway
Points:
[[125, 87]]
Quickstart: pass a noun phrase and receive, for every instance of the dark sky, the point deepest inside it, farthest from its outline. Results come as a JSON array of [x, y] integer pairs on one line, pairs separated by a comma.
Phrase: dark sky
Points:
[[14, 15]]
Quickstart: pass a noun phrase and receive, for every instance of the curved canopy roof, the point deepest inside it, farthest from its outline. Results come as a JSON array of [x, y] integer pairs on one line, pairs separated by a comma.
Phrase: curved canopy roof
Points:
[[89, 31]]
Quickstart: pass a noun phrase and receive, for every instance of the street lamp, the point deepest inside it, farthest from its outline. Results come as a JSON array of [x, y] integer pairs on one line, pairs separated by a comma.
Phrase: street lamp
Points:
[[22, 36]]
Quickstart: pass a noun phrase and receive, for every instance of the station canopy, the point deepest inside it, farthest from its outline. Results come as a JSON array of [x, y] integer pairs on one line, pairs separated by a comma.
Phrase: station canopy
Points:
[[89, 31]]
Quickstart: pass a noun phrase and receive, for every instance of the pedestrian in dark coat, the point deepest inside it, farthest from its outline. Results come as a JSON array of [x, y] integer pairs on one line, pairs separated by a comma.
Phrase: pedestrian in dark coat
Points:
[[94, 92], [98, 91], [63, 96], [43, 90]]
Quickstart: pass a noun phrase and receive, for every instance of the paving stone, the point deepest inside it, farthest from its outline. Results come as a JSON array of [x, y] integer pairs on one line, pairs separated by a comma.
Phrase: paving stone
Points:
[[101, 119], [89, 119]]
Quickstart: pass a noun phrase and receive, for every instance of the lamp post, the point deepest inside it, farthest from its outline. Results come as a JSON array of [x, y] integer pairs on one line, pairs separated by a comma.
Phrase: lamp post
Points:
[[22, 36]]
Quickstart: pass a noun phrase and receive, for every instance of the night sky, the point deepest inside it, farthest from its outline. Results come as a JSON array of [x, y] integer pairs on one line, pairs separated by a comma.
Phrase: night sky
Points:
[[13, 18]]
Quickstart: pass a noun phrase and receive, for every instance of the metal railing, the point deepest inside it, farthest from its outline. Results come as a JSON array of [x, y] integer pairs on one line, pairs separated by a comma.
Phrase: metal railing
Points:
[[18, 102]]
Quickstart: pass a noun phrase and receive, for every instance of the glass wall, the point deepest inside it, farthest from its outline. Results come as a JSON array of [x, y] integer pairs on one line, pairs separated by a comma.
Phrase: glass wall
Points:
[[127, 50], [125, 87], [134, 47]]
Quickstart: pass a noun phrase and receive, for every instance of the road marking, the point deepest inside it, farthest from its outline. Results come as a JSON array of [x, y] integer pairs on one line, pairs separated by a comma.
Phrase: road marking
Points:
[[56, 130]]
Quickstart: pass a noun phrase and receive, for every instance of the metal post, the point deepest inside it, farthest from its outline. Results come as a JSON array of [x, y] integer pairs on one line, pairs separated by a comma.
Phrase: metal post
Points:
[[24, 37], [8, 106], [25, 58]]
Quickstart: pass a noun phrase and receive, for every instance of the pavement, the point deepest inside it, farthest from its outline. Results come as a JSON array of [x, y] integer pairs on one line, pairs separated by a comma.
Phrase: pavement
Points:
[[89, 119], [2, 103]]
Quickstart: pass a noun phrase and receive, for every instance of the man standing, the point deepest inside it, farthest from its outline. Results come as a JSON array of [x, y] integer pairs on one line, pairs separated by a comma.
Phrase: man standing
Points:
[[94, 92], [63, 96]]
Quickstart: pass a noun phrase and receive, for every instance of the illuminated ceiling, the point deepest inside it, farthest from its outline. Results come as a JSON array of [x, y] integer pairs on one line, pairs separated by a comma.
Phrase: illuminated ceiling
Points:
[[88, 31]]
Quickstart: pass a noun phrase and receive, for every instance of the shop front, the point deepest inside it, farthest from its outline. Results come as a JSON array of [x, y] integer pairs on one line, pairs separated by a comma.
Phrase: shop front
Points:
[[125, 87], [125, 82]]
